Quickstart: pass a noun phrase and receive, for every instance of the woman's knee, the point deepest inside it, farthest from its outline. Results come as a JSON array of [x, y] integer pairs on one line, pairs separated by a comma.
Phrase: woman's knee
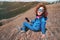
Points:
[[24, 23]]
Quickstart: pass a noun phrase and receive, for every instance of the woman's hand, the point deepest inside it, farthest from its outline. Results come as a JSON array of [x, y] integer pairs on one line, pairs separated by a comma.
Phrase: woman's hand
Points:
[[43, 36]]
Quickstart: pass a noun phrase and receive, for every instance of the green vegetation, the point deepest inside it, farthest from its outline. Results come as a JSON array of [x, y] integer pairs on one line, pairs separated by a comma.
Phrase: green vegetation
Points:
[[11, 9]]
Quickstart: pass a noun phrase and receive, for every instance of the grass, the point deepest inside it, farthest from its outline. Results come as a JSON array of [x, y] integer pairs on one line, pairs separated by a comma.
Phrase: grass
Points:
[[6, 12]]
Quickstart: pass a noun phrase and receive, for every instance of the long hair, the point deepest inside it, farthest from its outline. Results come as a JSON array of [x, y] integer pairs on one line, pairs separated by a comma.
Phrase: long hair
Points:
[[45, 10]]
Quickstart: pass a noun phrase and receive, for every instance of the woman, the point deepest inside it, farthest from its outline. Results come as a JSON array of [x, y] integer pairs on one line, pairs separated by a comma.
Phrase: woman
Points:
[[39, 23]]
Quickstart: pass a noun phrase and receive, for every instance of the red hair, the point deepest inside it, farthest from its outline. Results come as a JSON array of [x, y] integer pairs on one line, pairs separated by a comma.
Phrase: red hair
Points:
[[45, 10]]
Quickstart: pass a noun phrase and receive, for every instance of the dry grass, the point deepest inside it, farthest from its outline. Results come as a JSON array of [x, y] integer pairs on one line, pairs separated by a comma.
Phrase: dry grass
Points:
[[10, 31]]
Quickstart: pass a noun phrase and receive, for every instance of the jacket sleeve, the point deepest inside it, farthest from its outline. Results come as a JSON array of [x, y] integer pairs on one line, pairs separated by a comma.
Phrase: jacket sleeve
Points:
[[46, 18], [43, 25]]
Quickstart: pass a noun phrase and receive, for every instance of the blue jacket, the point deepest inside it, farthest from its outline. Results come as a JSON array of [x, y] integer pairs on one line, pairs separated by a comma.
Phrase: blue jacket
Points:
[[36, 24], [39, 24]]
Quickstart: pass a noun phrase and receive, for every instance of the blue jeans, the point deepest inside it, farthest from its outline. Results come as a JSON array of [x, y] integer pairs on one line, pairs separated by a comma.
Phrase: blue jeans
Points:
[[27, 26]]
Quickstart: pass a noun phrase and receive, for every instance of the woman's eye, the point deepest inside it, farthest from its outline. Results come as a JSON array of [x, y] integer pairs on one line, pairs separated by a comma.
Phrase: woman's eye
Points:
[[40, 10]]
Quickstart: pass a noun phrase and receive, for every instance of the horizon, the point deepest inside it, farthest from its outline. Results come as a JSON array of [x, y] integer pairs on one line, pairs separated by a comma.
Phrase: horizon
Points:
[[28, 0]]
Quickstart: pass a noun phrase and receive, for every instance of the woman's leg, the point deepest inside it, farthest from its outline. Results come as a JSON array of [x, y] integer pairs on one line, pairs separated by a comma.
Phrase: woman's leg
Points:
[[26, 25], [43, 24]]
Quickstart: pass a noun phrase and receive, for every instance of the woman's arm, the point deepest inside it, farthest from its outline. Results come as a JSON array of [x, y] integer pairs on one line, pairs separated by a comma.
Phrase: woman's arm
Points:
[[28, 20]]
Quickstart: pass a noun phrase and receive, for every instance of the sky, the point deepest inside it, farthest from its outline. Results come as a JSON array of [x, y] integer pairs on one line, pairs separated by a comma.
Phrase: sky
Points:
[[30, 0]]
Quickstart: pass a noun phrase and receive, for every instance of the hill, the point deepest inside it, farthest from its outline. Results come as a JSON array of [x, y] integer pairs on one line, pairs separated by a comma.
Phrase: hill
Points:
[[10, 30]]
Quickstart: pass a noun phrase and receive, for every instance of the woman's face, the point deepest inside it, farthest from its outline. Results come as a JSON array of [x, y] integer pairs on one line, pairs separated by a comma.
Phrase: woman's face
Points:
[[40, 11]]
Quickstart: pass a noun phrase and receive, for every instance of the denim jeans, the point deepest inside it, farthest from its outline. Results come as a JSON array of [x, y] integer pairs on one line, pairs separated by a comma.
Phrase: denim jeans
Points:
[[27, 26]]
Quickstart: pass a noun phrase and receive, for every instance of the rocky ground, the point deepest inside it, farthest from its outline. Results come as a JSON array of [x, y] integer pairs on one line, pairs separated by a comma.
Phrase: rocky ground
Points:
[[10, 30]]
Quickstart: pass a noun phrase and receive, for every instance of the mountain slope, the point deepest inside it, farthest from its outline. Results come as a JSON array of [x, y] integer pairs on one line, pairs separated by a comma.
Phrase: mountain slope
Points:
[[10, 30]]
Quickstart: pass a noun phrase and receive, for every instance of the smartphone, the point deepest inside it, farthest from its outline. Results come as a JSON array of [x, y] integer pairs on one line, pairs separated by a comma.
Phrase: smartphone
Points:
[[27, 19]]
